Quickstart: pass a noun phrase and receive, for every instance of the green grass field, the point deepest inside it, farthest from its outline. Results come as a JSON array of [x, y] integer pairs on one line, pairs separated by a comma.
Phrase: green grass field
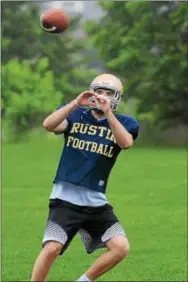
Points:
[[147, 189]]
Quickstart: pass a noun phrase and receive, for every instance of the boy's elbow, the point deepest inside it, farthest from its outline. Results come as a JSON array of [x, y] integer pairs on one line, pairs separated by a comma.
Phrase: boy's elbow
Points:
[[46, 125], [128, 144]]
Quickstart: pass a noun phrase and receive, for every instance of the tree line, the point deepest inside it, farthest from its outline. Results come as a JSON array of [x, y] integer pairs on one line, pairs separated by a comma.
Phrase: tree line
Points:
[[144, 43]]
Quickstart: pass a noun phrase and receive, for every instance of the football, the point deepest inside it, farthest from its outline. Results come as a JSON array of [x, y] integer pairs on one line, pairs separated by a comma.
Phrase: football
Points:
[[54, 21]]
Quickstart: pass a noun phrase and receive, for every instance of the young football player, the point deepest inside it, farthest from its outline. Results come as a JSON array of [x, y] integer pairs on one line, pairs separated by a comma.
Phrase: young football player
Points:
[[94, 136]]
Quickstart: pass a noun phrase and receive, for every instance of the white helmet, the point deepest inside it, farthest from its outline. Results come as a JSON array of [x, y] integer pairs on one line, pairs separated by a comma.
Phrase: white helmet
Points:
[[110, 82]]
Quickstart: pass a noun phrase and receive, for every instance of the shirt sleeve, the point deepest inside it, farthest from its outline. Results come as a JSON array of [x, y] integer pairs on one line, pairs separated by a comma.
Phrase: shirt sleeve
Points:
[[132, 126], [134, 131]]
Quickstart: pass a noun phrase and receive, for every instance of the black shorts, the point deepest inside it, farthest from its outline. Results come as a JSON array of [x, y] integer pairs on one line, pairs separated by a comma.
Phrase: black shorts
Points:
[[96, 225]]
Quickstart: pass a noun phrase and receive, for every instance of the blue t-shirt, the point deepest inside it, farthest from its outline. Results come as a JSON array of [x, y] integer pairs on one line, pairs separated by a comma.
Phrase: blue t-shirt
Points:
[[90, 150]]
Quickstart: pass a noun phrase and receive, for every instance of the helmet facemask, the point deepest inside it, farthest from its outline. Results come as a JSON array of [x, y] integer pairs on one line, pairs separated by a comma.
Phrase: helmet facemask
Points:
[[115, 97]]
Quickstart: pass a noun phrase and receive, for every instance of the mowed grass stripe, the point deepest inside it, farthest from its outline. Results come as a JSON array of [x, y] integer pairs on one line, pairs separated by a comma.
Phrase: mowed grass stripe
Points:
[[147, 187]]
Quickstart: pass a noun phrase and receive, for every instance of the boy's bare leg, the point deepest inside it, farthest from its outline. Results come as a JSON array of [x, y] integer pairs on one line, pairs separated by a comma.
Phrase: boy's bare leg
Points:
[[118, 249], [45, 260]]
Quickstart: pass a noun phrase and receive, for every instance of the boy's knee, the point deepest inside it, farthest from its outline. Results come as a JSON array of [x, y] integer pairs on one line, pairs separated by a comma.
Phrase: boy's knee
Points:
[[53, 248], [120, 246]]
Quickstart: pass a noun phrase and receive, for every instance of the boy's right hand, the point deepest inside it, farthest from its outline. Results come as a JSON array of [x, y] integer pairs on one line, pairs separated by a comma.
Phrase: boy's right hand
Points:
[[84, 99]]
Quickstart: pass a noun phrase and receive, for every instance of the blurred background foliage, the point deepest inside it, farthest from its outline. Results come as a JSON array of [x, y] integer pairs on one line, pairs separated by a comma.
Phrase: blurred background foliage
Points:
[[144, 43], [141, 41]]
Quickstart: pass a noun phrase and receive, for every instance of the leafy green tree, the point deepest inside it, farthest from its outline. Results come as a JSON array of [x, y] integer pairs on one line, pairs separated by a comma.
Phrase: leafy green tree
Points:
[[145, 44], [28, 96], [23, 38]]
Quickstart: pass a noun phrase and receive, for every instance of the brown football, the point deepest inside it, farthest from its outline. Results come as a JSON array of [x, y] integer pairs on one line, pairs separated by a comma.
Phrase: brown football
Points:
[[54, 21]]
